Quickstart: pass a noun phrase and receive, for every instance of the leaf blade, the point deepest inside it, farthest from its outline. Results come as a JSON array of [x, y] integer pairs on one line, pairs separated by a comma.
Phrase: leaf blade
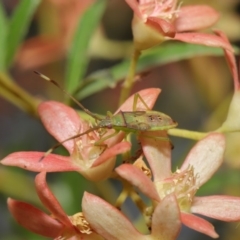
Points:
[[18, 26], [3, 36], [77, 59], [157, 56]]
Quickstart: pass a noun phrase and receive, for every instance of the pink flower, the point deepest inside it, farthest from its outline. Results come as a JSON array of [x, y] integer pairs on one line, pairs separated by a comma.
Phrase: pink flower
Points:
[[57, 225], [63, 122], [99, 220], [200, 164], [110, 223], [155, 21]]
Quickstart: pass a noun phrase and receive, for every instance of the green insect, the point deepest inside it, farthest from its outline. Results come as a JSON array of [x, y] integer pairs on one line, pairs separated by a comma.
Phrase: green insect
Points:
[[129, 122]]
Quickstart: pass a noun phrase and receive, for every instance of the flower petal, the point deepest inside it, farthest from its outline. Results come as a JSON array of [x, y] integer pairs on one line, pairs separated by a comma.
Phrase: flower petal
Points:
[[60, 121], [158, 153], [41, 51], [34, 219], [164, 27], [111, 152], [206, 157], [102, 167], [50, 201], [166, 221], [100, 172], [137, 178], [198, 224], [106, 220], [149, 96], [146, 33], [203, 39], [230, 60], [31, 162], [232, 122], [195, 18], [223, 208]]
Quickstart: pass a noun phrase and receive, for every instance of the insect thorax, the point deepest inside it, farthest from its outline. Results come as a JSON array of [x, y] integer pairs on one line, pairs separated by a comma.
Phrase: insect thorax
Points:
[[106, 123]]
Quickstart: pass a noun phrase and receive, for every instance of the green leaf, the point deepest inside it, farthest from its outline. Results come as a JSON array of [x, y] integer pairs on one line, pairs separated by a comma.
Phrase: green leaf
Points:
[[17, 184], [3, 35], [157, 56], [77, 59], [18, 26]]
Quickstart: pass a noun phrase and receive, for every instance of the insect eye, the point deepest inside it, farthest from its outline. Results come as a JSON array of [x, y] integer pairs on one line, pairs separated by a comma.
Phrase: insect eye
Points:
[[151, 118], [154, 117]]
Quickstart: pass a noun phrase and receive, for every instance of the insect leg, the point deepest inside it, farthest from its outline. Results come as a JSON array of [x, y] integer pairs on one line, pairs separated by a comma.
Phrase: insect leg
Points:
[[60, 143], [100, 141], [136, 97], [124, 119]]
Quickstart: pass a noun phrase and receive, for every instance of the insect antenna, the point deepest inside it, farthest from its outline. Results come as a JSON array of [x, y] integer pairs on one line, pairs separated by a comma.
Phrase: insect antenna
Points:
[[96, 116], [65, 140]]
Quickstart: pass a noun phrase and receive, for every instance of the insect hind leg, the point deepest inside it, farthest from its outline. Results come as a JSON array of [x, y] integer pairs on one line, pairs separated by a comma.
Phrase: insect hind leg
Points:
[[135, 100], [100, 142]]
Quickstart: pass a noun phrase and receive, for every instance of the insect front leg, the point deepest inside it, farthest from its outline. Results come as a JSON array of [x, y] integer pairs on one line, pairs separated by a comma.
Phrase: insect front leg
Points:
[[100, 142], [135, 100], [67, 139]]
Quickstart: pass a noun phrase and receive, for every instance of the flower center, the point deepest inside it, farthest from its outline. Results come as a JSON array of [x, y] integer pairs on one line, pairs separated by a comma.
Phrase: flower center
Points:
[[166, 9], [79, 221], [140, 164], [183, 184], [85, 152]]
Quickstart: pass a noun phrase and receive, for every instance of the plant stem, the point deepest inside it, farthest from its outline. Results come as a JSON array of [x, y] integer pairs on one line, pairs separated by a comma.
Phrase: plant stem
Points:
[[16, 95], [128, 83], [186, 133]]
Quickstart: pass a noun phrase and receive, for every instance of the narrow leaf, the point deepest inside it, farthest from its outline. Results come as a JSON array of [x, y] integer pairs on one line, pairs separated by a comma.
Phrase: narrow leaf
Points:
[[18, 185], [4, 29], [18, 26], [77, 59], [154, 57]]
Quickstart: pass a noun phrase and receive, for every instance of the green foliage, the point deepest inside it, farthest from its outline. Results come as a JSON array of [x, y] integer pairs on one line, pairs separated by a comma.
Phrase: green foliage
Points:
[[77, 58], [18, 26], [13, 30], [154, 57], [17, 184], [3, 36]]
